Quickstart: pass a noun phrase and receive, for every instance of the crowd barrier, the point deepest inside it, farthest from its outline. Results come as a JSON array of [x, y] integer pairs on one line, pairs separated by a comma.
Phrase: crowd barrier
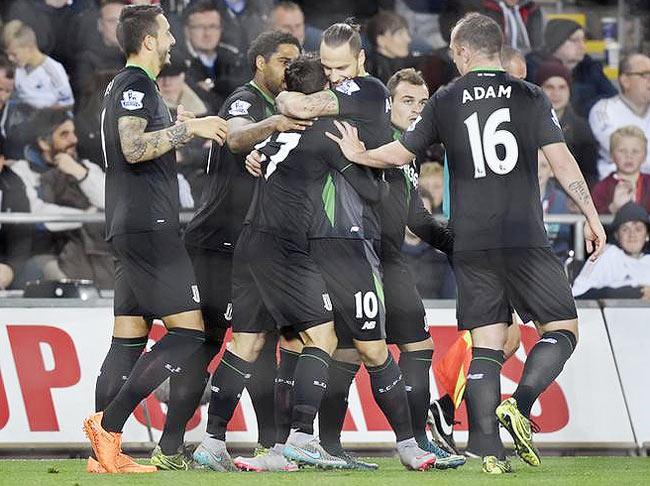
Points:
[[51, 351]]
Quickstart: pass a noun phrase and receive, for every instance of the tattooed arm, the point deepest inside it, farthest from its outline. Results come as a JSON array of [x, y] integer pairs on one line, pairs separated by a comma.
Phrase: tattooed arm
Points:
[[567, 173], [244, 134], [140, 146], [299, 105]]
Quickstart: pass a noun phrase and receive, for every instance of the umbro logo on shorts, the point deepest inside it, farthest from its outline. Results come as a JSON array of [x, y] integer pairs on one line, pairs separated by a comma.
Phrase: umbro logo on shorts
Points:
[[195, 294], [327, 302]]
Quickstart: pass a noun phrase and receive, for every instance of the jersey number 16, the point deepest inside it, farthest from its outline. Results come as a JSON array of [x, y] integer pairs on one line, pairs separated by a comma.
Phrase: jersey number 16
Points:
[[484, 147]]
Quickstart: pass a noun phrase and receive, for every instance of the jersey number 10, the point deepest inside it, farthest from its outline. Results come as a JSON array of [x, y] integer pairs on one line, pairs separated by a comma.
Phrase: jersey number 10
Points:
[[484, 147]]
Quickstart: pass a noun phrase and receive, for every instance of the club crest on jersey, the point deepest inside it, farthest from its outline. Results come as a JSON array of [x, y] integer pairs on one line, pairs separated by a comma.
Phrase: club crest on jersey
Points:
[[348, 87], [412, 125], [132, 100], [239, 108], [480, 93]]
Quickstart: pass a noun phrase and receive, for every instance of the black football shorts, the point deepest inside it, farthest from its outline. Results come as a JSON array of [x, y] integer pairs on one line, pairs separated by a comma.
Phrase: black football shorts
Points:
[[493, 282], [276, 284], [153, 275], [352, 275], [405, 315]]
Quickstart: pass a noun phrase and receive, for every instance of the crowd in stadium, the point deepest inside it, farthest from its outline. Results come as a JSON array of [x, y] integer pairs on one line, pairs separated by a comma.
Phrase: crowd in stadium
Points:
[[57, 56]]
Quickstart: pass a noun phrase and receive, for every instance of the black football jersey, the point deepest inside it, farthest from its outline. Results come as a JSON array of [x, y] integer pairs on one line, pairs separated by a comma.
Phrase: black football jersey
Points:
[[289, 199], [228, 191], [491, 125], [142, 196]]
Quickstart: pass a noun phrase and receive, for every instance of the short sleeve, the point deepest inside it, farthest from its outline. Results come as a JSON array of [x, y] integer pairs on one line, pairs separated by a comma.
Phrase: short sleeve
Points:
[[423, 131], [361, 99], [245, 105], [138, 98], [549, 129]]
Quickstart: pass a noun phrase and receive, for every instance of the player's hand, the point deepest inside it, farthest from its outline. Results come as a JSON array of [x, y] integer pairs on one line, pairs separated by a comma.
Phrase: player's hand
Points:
[[284, 123], [254, 163], [210, 127], [182, 115], [645, 292], [623, 193], [66, 164], [595, 238], [349, 140]]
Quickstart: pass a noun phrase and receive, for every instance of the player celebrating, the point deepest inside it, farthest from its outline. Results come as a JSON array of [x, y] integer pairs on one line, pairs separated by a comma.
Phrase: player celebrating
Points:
[[492, 125], [153, 274], [211, 235]]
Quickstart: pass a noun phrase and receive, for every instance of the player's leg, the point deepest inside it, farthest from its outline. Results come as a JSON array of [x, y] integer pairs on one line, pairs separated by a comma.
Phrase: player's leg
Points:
[[540, 291], [261, 390]]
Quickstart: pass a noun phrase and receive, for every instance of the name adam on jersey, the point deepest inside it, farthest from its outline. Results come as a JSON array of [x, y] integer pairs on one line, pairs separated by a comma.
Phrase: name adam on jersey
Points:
[[481, 93]]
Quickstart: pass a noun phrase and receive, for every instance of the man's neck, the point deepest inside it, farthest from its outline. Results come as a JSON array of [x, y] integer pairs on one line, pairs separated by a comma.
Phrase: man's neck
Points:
[[560, 112], [485, 64], [639, 107], [258, 79], [147, 64]]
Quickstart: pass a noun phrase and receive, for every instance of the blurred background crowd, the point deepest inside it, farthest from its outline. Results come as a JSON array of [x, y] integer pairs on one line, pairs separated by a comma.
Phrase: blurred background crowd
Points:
[[57, 56]]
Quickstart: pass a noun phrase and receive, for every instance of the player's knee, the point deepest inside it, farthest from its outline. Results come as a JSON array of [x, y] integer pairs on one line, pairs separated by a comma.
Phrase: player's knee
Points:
[[322, 336], [425, 345], [373, 353], [247, 345]]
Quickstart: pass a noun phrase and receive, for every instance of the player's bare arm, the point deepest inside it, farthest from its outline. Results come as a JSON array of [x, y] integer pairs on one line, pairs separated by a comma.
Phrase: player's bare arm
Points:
[[393, 154], [140, 146], [243, 134], [299, 105], [568, 174]]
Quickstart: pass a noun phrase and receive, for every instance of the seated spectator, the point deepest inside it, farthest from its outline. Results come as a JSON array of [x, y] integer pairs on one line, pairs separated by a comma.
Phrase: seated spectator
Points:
[[521, 20], [631, 107], [564, 40], [288, 17], [15, 239], [554, 201], [513, 61], [40, 81], [429, 266], [431, 182], [623, 270], [54, 24], [100, 49], [57, 182], [214, 69], [555, 81], [629, 146], [242, 21], [175, 91], [424, 20]]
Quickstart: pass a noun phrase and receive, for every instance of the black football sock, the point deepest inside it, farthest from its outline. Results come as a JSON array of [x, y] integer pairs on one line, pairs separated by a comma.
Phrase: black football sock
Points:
[[166, 358], [310, 383], [544, 363], [448, 408], [283, 396], [228, 383], [116, 368], [185, 392], [482, 396], [335, 404], [390, 394], [415, 366], [261, 389]]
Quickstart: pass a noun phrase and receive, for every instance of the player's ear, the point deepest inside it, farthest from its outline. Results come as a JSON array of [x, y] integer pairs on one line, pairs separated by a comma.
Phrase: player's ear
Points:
[[148, 42], [260, 63], [362, 59]]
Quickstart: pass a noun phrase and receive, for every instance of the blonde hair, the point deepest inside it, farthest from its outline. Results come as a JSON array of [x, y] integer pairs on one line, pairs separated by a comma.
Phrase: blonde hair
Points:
[[431, 169], [19, 32], [628, 131]]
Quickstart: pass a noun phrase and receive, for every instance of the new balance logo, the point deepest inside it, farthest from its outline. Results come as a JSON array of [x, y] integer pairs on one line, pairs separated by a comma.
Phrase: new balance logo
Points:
[[321, 384], [368, 325], [475, 376]]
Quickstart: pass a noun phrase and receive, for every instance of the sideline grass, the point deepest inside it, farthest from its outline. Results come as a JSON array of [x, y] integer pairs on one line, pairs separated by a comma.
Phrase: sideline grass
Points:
[[583, 471]]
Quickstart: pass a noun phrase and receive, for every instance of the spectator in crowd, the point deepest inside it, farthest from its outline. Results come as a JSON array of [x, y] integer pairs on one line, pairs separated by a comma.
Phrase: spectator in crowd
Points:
[[57, 182], [631, 107], [554, 201], [429, 266], [555, 80], [623, 270], [513, 61], [175, 91], [54, 24], [431, 183], [288, 17], [100, 50], [325, 13], [7, 72], [13, 114], [15, 239], [215, 69], [423, 18], [243, 21], [629, 147], [40, 81], [521, 20], [564, 40]]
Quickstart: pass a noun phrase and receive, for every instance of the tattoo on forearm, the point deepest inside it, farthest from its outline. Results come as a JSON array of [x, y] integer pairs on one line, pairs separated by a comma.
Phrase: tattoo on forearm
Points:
[[321, 104], [579, 191], [138, 146]]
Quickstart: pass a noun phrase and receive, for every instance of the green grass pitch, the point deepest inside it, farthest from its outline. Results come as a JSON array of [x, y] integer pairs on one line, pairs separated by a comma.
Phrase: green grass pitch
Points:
[[583, 471]]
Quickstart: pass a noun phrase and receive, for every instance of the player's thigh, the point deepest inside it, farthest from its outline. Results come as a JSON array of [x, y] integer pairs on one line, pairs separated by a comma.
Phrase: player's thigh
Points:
[[538, 287], [159, 272], [482, 294], [126, 308], [352, 275], [405, 315]]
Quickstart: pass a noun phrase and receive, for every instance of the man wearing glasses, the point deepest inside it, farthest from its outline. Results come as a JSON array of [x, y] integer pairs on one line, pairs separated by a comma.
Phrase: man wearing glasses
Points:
[[215, 69], [630, 107]]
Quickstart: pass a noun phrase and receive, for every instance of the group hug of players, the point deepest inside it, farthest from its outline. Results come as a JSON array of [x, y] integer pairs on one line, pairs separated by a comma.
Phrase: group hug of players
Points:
[[312, 181]]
